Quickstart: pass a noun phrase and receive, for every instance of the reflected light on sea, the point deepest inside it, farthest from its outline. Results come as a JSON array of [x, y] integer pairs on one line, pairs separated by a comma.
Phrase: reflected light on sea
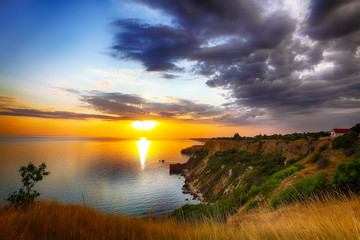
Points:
[[143, 148]]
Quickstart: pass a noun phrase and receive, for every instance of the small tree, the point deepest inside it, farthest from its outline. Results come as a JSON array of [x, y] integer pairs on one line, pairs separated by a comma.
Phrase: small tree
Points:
[[347, 176], [30, 175]]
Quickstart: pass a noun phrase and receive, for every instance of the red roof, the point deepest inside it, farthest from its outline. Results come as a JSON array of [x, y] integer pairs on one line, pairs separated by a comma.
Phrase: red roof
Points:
[[341, 130]]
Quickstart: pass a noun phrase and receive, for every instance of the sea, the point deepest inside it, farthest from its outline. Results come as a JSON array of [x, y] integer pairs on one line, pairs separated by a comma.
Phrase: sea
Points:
[[120, 176]]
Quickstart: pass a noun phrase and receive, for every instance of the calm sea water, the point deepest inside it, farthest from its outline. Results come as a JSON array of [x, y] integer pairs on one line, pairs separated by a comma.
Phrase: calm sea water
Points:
[[117, 176]]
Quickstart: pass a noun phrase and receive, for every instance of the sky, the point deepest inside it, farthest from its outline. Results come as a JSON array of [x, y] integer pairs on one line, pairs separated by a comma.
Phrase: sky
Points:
[[199, 68]]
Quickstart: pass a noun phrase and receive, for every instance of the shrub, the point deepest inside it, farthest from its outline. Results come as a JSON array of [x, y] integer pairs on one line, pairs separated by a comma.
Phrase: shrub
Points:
[[292, 161], [347, 176], [323, 162], [347, 140], [349, 151], [324, 147], [218, 211], [303, 188], [275, 180], [30, 175], [265, 188], [251, 205], [356, 128], [315, 157]]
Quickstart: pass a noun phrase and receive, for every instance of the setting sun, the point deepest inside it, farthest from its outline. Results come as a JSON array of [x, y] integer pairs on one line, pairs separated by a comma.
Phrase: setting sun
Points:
[[144, 125]]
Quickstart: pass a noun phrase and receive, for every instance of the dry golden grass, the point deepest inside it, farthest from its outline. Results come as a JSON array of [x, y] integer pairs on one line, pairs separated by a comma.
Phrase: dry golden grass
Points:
[[333, 218]]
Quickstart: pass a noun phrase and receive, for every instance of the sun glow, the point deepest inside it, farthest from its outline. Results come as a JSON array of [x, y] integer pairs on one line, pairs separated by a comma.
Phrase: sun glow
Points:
[[143, 147], [144, 125]]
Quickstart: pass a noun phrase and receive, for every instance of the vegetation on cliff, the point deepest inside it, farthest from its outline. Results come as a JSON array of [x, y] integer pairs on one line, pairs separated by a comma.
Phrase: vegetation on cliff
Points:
[[253, 191], [289, 137], [236, 174]]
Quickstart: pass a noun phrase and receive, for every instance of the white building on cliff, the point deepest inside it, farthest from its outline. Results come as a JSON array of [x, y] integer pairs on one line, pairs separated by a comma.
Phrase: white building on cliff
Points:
[[338, 132]]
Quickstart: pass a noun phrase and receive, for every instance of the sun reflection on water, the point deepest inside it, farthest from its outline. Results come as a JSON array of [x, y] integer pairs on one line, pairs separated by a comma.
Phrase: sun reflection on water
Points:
[[143, 147]]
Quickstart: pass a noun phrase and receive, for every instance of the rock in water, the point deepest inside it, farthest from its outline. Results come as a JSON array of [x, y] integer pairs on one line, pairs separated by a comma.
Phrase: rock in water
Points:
[[177, 168]]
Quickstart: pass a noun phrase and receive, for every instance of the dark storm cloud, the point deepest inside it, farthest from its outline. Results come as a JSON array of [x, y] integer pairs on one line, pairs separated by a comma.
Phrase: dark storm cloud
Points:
[[135, 106], [157, 47], [269, 62], [332, 19], [238, 23]]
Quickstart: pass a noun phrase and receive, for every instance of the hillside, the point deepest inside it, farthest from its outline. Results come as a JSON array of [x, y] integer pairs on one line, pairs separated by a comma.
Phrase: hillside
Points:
[[249, 187], [235, 176], [315, 220]]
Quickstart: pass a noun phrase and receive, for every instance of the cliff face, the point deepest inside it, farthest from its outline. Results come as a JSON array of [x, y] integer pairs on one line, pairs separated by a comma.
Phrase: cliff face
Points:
[[289, 149], [223, 167]]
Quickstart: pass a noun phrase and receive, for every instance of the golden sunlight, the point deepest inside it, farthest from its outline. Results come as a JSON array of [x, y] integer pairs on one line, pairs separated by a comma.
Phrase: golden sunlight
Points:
[[144, 125], [143, 147]]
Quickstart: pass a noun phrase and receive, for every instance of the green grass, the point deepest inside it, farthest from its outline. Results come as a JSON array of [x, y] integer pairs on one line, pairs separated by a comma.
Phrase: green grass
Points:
[[252, 204], [275, 180], [301, 189]]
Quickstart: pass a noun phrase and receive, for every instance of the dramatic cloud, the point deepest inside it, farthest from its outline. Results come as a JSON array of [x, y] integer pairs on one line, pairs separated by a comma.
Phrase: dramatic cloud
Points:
[[54, 114], [274, 57], [115, 106], [135, 106]]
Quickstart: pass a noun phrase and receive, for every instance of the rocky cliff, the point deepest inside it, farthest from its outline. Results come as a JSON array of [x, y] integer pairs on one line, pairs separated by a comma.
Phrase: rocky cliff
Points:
[[225, 168]]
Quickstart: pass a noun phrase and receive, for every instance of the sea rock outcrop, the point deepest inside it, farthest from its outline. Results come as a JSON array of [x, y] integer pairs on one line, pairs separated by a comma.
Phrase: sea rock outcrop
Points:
[[177, 168]]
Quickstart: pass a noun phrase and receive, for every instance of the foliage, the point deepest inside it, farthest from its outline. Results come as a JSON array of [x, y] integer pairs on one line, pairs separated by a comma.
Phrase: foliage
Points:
[[292, 161], [252, 204], [323, 162], [237, 136], [218, 211], [303, 188], [275, 180], [196, 158], [196, 183], [315, 157], [356, 128], [347, 176], [313, 220], [302, 156], [347, 140], [30, 175], [288, 137], [324, 147], [262, 166]]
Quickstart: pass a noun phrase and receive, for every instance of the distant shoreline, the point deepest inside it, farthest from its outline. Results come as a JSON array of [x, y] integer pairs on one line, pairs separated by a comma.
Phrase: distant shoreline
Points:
[[203, 140], [11, 138]]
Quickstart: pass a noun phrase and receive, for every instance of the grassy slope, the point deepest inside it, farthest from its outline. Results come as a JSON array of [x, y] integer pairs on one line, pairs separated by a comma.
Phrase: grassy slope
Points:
[[333, 218], [216, 181]]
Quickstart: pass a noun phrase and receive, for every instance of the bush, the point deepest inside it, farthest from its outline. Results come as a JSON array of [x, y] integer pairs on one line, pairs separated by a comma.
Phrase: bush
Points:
[[356, 128], [323, 162], [347, 176], [218, 211], [347, 140], [275, 180], [315, 157], [303, 188], [292, 161], [251, 205], [349, 151], [324, 147], [30, 175], [320, 160]]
